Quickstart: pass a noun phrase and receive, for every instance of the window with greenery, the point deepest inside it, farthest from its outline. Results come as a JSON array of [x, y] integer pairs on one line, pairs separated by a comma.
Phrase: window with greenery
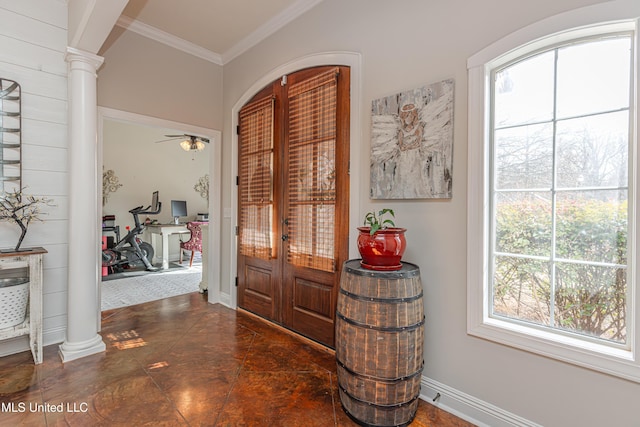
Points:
[[560, 151], [552, 196]]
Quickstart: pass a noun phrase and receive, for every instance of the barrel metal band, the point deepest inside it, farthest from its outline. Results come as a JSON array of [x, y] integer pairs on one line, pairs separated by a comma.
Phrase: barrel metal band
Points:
[[379, 379], [365, 424], [408, 270], [387, 300], [381, 328], [383, 407]]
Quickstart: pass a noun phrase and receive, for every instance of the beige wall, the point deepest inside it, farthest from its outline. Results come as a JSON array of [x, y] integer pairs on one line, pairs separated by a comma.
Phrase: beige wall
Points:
[[146, 77], [406, 44]]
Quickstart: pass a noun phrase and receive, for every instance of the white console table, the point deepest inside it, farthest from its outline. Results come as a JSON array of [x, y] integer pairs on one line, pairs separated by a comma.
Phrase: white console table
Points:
[[32, 326], [164, 231]]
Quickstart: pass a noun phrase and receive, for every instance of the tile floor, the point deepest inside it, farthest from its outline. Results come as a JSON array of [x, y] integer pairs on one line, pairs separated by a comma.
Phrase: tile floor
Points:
[[183, 362]]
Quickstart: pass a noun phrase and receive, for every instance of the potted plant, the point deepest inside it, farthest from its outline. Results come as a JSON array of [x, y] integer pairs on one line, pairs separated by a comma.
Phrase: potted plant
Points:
[[21, 209], [380, 242]]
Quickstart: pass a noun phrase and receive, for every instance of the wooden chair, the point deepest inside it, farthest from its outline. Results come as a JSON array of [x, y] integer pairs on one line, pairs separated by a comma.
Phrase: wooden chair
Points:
[[194, 243]]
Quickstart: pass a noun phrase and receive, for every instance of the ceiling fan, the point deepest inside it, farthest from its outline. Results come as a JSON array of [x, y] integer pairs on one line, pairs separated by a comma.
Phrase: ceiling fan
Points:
[[189, 143]]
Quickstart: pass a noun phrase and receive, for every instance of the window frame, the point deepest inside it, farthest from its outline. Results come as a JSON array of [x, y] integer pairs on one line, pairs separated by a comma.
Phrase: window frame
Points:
[[614, 359]]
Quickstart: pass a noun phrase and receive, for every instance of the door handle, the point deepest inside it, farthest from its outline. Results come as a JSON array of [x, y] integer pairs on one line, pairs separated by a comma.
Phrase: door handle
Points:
[[285, 237]]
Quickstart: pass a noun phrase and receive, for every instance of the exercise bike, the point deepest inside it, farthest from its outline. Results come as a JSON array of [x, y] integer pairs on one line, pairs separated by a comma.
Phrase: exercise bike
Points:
[[131, 251]]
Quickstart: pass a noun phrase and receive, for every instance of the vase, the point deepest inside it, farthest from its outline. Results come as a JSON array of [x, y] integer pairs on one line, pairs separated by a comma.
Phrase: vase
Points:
[[383, 250]]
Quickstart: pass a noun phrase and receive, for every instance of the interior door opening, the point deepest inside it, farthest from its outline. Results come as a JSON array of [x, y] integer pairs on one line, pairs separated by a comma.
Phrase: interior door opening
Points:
[[144, 131]]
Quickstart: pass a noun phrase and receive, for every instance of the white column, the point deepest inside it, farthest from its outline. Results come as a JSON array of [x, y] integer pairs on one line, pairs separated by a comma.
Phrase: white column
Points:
[[83, 298]]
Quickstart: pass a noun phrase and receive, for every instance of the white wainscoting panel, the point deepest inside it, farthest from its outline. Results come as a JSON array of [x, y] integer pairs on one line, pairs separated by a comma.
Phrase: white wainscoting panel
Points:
[[33, 42]]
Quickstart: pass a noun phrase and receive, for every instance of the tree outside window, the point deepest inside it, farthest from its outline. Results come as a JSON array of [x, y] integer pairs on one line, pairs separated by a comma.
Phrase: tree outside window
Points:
[[559, 188]]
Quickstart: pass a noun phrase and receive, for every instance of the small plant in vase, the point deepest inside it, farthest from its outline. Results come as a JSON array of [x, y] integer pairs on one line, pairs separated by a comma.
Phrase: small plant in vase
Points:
[[376, 222], [381, 244], [22, 209]]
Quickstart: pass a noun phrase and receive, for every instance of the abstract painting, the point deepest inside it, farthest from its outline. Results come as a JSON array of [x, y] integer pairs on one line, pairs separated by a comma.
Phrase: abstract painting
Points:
[[412, 143]]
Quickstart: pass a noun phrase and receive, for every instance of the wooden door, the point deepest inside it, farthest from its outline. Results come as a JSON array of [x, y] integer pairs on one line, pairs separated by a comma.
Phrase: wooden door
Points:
[[258, 258], [294, 193]]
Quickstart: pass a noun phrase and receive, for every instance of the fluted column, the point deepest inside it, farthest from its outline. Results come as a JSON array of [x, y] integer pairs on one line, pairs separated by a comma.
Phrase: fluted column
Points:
[[82, 337]]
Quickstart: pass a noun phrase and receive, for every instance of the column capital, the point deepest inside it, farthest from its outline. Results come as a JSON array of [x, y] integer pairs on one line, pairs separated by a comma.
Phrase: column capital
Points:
[[74, 55]]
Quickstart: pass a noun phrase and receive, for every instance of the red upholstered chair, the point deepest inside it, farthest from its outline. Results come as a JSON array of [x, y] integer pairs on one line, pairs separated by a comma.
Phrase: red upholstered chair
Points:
[[194, 243]]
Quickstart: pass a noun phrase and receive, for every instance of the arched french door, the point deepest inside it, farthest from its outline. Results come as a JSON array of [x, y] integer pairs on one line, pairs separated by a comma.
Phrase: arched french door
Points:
[[293, 199]]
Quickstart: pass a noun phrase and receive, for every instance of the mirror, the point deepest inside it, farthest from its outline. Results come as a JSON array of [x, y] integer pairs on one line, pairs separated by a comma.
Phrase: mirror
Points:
[[10, 136]]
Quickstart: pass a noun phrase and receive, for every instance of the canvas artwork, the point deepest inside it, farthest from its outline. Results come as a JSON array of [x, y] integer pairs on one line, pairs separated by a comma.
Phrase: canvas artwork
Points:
[[412, 143]]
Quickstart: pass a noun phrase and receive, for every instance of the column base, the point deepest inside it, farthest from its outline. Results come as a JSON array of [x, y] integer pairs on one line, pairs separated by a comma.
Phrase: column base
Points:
[[72, 351]]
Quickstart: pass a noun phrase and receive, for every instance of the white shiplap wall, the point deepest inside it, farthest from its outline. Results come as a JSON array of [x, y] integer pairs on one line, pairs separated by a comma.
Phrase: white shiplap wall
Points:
[[33, 42]]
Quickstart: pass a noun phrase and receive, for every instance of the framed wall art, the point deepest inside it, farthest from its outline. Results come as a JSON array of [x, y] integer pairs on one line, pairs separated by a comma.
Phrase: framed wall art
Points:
[[412, 143]]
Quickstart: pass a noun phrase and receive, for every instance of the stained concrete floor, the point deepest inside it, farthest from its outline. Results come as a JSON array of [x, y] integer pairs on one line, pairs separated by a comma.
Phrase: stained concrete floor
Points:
[[184, 362]]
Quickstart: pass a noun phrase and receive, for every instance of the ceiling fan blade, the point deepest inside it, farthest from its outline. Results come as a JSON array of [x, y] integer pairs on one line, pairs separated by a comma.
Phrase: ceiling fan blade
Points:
[[186, 135], [193, 138]]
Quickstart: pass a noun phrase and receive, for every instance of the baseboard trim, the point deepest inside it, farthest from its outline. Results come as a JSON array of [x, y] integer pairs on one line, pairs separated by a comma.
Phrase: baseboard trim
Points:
[[469, 408], [21, 344], [14, 345], [225, 299], [54, 336]]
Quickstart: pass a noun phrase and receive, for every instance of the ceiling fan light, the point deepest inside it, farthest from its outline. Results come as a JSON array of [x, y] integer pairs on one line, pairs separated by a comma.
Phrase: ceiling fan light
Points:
[[192, 144]]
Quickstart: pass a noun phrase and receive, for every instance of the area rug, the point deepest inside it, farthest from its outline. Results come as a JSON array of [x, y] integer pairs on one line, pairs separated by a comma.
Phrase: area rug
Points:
[[151, 287]]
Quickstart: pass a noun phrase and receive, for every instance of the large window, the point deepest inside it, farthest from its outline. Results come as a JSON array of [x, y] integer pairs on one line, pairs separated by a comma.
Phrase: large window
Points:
[[559, 188], [551, 174]]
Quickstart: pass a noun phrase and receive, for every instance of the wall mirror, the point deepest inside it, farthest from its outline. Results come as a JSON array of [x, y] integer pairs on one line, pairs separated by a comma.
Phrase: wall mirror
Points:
[[10, 136]]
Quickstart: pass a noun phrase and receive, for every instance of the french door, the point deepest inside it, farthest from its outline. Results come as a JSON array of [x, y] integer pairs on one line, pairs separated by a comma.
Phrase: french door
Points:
[[293, 188]]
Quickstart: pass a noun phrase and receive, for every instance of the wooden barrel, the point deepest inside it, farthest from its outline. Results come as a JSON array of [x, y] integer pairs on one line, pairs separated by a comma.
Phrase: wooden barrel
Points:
[[379, 343]]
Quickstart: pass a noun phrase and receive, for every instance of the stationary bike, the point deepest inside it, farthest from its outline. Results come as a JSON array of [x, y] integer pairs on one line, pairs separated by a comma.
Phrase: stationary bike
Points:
[[131, 250]]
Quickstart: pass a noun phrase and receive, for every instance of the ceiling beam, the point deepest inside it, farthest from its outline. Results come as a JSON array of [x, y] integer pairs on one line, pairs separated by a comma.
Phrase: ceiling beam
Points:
[[91, 21]]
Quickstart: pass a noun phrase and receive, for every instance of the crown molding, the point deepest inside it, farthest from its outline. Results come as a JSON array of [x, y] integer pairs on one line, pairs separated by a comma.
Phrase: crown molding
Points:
[[268, 28], [168, 39], [264, 31]]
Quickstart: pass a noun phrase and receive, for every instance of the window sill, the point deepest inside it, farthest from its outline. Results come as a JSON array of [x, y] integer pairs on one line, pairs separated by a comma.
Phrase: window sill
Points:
[[603, 358]]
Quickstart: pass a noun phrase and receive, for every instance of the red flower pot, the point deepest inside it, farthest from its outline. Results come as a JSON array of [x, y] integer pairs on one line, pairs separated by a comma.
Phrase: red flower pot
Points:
[[383, 250]]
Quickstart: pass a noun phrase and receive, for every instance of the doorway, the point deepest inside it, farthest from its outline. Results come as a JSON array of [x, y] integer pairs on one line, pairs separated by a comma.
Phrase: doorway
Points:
[[138, 129], [293, 204]]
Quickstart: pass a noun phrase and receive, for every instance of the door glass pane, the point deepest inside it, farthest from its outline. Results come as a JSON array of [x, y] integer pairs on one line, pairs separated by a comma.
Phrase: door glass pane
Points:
[[255, 238], [311, 182], [313, 228], [255, 186]]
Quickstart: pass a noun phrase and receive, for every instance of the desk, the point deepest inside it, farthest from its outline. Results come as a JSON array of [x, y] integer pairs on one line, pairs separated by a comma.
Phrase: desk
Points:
[[164, 230]]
